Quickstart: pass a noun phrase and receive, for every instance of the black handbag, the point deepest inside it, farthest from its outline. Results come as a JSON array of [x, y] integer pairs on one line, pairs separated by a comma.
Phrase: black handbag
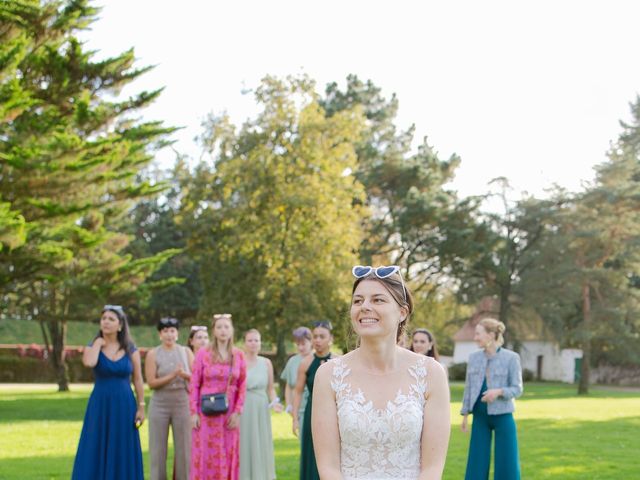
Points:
[[212, 404]]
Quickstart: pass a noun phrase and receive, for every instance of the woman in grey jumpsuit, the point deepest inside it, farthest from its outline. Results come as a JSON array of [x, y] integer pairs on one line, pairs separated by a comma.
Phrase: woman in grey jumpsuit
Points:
[[168, 371]]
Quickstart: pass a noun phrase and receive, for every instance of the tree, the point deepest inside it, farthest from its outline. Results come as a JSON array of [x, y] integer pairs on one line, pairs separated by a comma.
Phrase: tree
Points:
[[415, 221], [501, 255], [175, 288], [69, 160], [272, 220], [591, 259]]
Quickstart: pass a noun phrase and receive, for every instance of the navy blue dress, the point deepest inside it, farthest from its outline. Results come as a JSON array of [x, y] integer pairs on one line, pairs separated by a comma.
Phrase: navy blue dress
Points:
[[109, 447]]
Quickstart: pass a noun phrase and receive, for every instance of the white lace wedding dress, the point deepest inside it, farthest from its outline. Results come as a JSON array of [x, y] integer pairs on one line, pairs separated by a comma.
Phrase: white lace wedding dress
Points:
[[380, 443]]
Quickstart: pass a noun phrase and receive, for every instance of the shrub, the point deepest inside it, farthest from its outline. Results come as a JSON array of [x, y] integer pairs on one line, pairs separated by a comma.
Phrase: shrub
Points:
[[528, 375], [458, 371]]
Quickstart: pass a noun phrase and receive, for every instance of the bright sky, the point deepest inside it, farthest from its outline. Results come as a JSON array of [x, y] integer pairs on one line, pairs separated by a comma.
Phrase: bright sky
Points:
[[532, 91]]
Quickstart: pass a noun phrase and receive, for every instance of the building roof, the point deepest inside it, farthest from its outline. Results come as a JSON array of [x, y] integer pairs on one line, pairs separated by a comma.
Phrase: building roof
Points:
[[525, 323], [487, 307]]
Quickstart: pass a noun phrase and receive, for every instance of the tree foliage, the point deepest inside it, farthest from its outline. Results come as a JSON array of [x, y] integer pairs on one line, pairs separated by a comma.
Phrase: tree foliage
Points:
[[69, 161], [274, 219]]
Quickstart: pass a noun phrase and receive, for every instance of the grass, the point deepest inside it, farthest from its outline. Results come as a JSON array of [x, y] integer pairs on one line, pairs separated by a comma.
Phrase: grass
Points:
[[561, 436]]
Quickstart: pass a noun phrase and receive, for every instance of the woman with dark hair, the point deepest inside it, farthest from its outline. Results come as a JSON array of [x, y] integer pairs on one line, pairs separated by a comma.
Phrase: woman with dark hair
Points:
[[168, 371], [218, 369], [424, 343], [381, 411], [198, 338], [109, 447], [322, 340]]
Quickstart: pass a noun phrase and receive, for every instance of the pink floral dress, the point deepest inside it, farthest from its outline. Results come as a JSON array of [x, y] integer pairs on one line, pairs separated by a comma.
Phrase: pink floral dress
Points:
[[214, 447]]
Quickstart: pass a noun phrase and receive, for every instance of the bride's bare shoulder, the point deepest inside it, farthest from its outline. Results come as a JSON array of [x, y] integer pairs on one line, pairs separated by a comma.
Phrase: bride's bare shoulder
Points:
[[409, 357]]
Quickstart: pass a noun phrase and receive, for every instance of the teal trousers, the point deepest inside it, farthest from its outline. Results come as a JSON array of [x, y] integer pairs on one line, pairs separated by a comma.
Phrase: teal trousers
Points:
[[507, 463]]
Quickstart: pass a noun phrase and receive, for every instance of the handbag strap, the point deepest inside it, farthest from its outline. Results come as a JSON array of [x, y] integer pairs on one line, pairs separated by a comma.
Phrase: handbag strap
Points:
[[230, 369]]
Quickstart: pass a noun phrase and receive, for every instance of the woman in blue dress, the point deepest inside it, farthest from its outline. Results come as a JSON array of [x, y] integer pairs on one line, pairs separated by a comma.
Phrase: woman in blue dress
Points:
[[109, 447]]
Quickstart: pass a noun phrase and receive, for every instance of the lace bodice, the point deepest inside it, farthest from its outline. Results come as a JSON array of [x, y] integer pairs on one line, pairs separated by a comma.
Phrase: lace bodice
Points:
[[380, 443]]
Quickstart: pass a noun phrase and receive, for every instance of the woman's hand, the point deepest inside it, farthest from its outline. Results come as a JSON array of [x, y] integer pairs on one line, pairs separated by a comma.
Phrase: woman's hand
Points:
[[296, 426], [464, 426], [195, 421], [278, 408], [99, 342], [139, 416], [233, 421], [490, 395]]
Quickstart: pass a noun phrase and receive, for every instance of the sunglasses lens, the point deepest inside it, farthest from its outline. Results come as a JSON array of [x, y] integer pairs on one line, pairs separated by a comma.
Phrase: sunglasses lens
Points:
[[384, 272], [360, 271]]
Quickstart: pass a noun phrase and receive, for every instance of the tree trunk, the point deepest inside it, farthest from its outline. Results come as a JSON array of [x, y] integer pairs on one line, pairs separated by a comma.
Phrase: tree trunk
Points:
[[583, 386], [58, 333]]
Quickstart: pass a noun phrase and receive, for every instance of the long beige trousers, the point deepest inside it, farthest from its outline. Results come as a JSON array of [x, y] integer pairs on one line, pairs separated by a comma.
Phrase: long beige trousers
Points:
[[169, 407]]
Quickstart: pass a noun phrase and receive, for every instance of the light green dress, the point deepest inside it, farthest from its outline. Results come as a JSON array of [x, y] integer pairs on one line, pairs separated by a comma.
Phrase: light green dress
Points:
[[256, 440], [290, 375]]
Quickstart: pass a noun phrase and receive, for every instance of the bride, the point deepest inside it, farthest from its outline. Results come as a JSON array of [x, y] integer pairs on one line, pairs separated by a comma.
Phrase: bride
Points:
[[381, 411]]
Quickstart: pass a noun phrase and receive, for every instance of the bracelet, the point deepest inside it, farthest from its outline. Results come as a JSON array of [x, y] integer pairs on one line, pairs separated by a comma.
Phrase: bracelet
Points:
[[142, 404], [275, 402]]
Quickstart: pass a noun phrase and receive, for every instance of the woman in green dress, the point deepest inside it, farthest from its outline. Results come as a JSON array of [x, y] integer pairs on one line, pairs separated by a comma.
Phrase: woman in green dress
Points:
[[322, 340], [256, 440]]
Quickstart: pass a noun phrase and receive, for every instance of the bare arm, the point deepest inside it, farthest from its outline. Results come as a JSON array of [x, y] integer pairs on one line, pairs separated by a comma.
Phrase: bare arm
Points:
[[151, 370], [324, 425], [288, 397], [437, 424], [299, 390], [271, 391], [90, 354], [138, 385], [190, 358]]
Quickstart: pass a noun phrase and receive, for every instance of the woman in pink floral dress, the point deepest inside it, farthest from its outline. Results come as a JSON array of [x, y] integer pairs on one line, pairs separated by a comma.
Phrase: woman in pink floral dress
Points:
[[215, 443]]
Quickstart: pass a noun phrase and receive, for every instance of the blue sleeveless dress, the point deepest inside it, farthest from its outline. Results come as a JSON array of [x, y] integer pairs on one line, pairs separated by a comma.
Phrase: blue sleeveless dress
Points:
[[109, 447]]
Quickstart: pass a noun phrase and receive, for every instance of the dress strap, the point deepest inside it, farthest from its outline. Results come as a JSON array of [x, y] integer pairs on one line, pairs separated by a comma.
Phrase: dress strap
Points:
[[340, 372], [419, 373]]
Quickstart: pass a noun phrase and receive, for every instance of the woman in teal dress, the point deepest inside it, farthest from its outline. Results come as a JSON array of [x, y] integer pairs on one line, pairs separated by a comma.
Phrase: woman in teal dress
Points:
[[256, 440], [322, 340], [109, 447]]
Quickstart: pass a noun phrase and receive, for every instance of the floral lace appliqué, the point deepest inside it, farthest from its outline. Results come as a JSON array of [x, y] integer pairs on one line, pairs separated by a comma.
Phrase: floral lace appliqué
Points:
[[380, 443]]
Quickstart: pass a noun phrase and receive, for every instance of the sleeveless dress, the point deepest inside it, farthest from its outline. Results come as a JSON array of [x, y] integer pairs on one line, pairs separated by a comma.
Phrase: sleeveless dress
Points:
[[169, 406], [380, 444], [109, 447], [308, 466], [256, 441], [214, 447]]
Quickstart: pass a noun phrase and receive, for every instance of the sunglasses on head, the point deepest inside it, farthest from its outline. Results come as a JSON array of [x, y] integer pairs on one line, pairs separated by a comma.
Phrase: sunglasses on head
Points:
[[382, 272], [117, 308], [169, 322], [198, 328], [221, 315], [323, 324]]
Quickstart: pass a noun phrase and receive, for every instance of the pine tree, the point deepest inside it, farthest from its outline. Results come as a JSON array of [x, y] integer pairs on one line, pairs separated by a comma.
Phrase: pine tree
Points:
[[69, 161]]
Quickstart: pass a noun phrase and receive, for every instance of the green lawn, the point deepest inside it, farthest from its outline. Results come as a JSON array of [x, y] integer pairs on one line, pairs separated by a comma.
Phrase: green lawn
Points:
[[561, 436]]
